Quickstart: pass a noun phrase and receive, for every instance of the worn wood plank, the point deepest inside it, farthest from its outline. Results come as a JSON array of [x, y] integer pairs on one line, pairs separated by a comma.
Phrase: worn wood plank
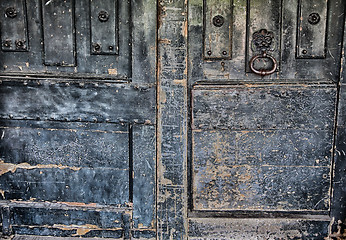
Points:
[[246, 187], [144, 177], [28, 237], [259, 107], [65, 184], [65, 232], [95, 219], [64, 144], [49, 100], [251, 229], [311, 148], [338, 200], [172, 121]]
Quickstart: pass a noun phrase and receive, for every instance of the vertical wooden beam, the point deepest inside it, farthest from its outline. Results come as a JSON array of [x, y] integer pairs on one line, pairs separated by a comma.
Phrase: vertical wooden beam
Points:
[[172, 119], [338, 202]]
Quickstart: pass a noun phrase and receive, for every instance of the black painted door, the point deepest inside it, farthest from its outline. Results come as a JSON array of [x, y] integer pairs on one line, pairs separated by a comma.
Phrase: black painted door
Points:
[[78, 118], [263, 88]]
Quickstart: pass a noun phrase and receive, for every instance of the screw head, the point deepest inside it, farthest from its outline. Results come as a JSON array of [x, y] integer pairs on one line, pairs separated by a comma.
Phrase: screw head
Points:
[[314, 18], [103, 16], [11, 12], [209, 52], [224, 52], [218, 21], [304, 51]]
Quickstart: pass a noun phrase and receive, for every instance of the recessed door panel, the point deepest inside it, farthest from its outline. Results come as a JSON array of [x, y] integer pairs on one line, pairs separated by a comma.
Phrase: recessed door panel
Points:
[[262, 123], [14, 32], [78, 123]]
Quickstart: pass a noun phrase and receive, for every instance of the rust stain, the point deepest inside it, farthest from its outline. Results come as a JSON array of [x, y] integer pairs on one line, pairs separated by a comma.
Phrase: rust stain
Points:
[[10, 167]]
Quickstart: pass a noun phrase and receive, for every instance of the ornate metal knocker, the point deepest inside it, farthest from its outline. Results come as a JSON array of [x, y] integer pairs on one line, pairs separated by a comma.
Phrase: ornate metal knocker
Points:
[[262, 43]]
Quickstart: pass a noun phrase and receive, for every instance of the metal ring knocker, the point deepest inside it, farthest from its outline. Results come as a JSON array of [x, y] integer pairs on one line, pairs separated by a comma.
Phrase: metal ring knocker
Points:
[[263, 42], [263, 72]]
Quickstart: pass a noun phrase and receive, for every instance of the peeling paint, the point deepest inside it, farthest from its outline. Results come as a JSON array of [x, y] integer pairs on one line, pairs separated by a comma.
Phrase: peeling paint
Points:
[[82, 230], [9, 167]]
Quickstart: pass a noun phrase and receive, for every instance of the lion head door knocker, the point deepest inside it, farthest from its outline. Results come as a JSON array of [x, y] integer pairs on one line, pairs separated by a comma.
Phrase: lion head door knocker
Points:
[[262, 44]]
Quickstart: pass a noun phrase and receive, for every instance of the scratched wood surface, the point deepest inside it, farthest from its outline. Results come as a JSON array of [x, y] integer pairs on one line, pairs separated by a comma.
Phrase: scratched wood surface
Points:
[[338, 207], [208, 229], [262, 146], [271, 151], [78, 146], [172, 119], [28, 237]]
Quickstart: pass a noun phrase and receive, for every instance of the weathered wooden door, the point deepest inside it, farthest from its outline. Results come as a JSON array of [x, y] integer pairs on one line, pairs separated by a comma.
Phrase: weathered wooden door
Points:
[[263, 88], [78, 117]]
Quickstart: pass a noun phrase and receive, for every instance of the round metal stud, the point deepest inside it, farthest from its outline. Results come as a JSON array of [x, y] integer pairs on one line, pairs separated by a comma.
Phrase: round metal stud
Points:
[[103, 16], [20, 44], [97, 47], [11, 12], [218, 21], [314, 18]]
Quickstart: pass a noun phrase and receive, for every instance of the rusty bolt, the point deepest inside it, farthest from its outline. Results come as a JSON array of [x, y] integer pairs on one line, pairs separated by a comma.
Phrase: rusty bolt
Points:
[[11, 12]]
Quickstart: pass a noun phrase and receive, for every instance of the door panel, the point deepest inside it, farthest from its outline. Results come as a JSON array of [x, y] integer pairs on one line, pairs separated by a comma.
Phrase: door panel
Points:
[[262, 119], [65, 163], [57, 30], [78, 119], [252, 152], [281, 20]]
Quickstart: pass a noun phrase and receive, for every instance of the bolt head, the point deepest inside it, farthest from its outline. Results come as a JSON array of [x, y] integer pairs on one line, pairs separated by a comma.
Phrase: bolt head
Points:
[[314, 18], [11, 12], [218, 21], [103, 16]]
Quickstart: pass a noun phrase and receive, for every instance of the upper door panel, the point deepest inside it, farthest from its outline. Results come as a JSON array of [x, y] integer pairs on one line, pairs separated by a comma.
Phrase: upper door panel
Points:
[[288, 39], [66, 37]]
